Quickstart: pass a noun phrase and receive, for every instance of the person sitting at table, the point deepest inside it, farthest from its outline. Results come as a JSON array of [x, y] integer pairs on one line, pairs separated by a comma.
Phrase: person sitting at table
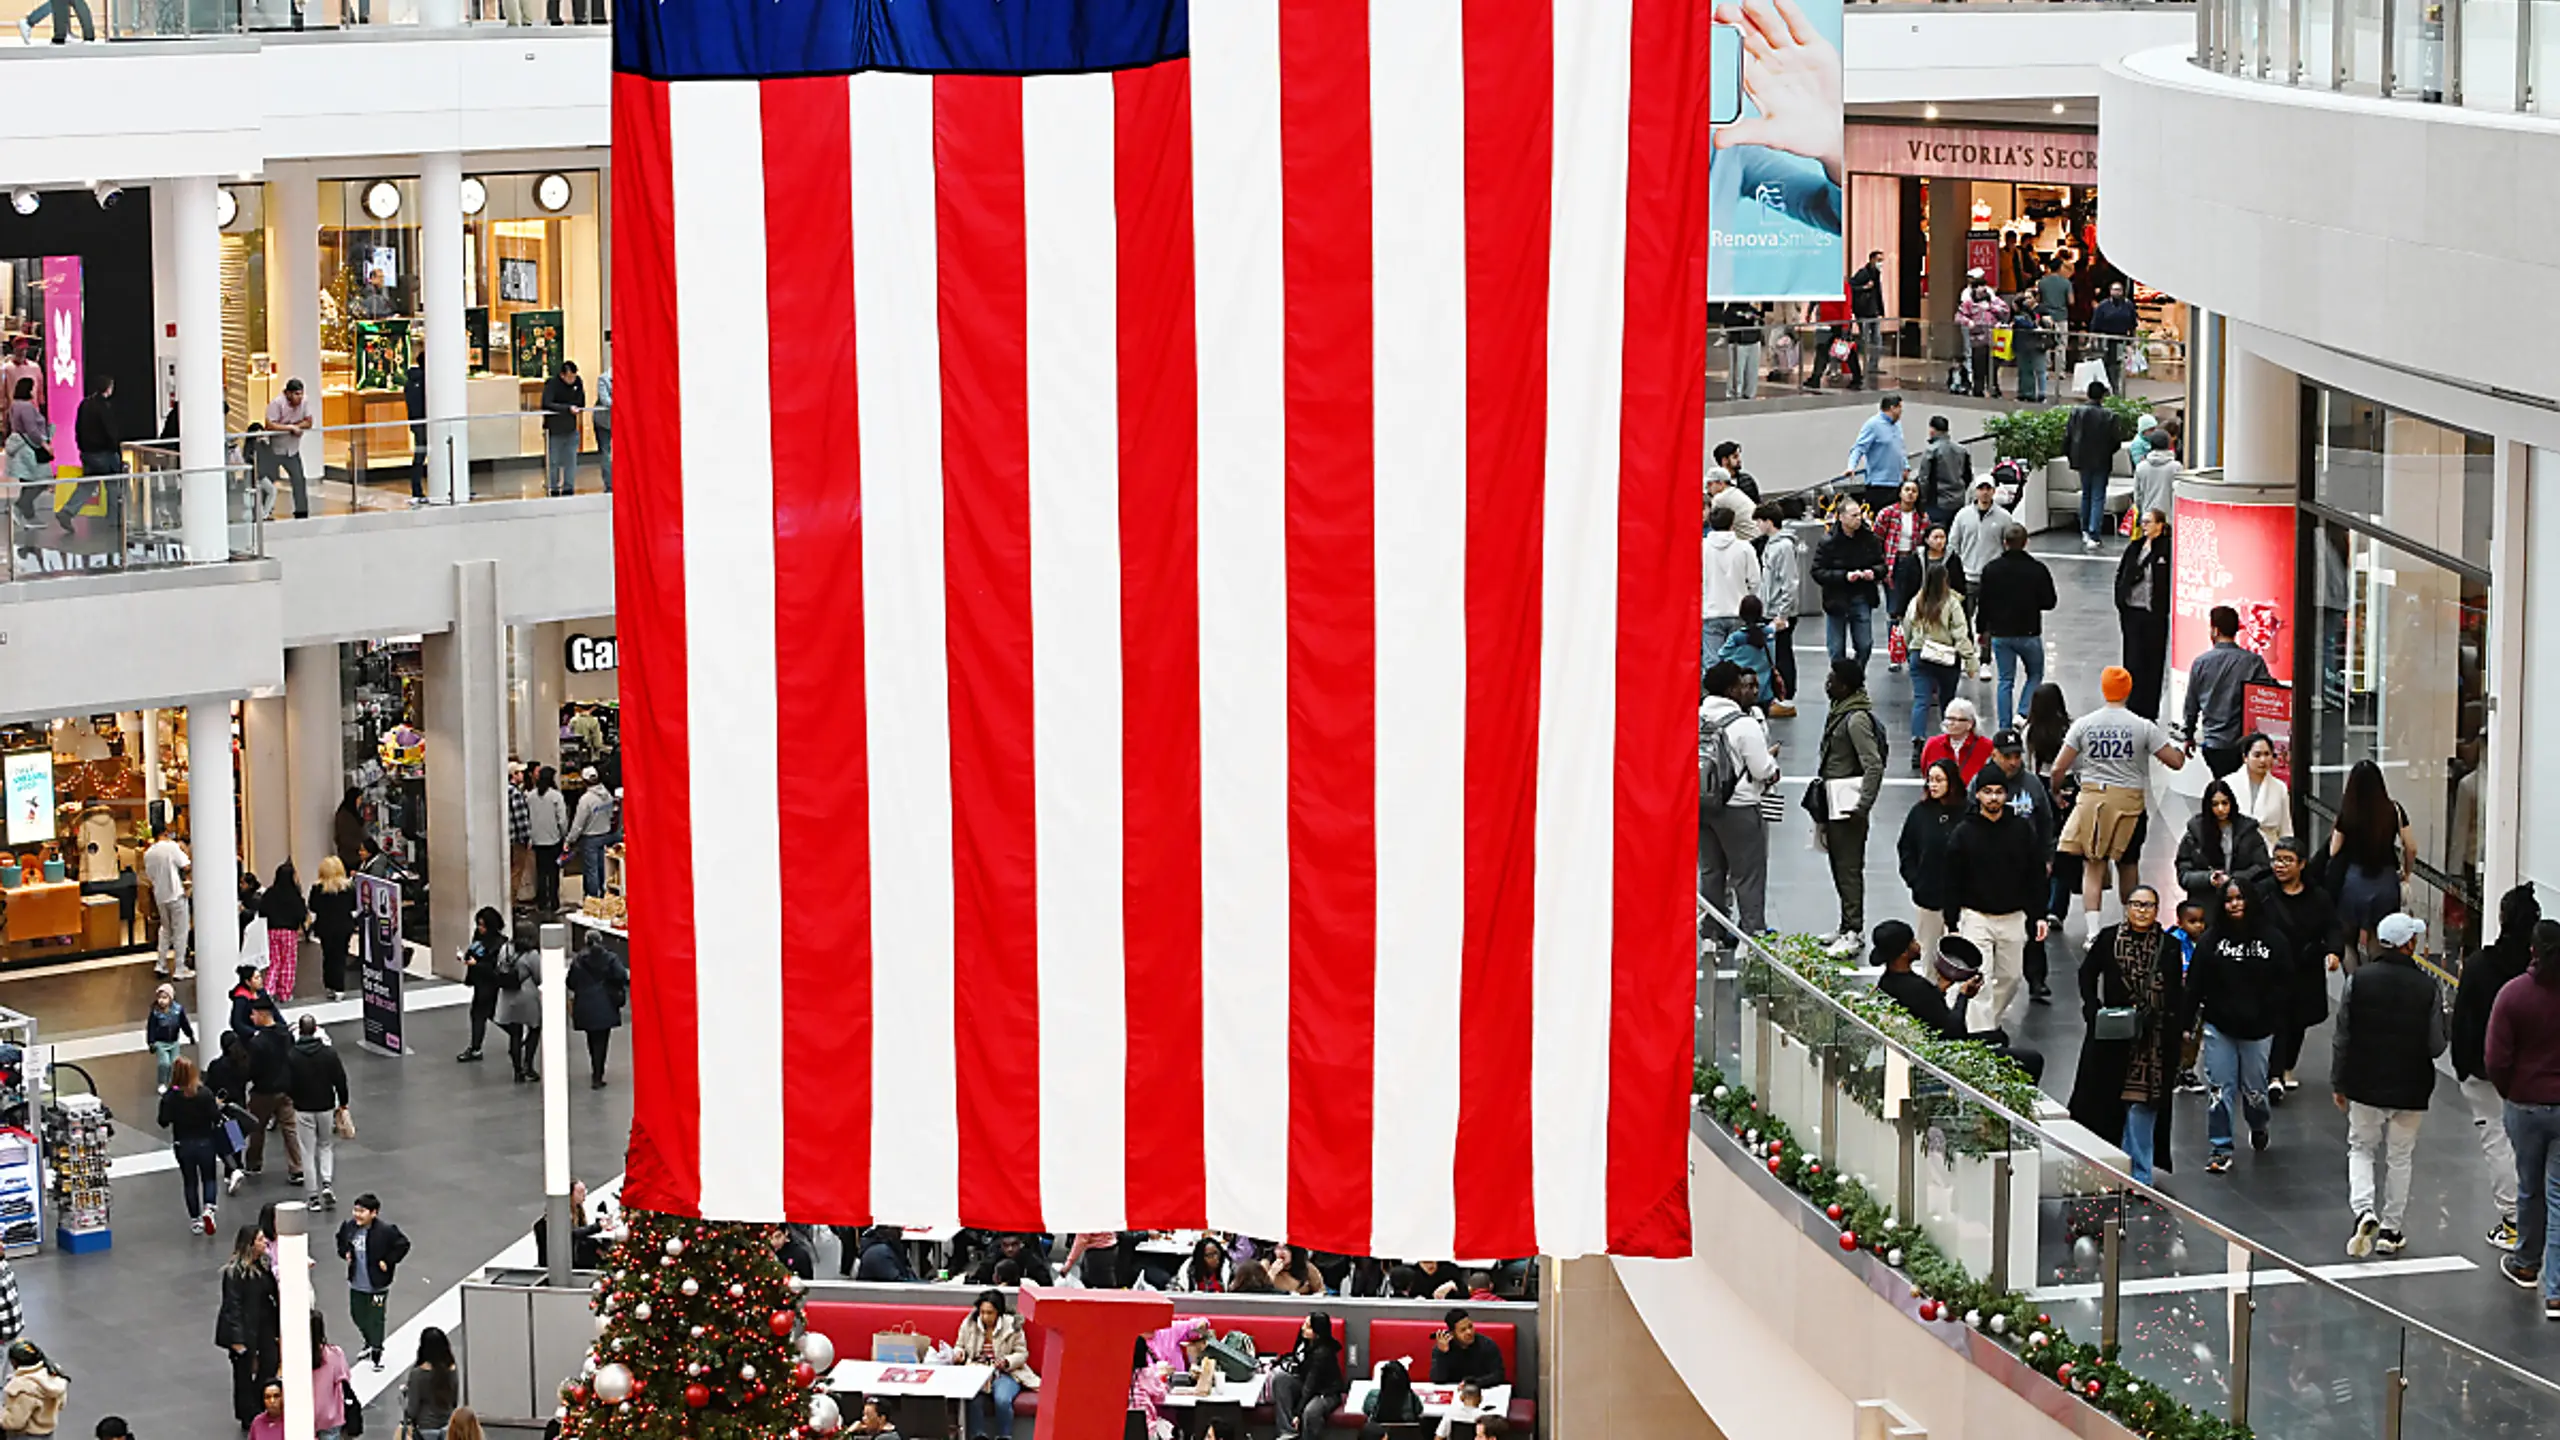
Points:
[[993, 1337], [1391, 1405], [792, 1249], [1404, 1283], [1205, 1273], [1029, 1263], [1291, 1274], [1147, 1395], [1309, 1385], [879, 1418], [1459, 1354], [1439, 1280], [1246, 1277], [1480, 1286], [1469, 1415], [1368, 1278], [884, 1256]]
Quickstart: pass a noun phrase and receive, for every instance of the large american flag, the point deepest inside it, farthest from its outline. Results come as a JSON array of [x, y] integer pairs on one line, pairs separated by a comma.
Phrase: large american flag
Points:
[[1158, 574]]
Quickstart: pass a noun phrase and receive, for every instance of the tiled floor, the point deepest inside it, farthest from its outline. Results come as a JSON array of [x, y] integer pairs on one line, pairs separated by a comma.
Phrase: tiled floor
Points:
[[2320, 1365]]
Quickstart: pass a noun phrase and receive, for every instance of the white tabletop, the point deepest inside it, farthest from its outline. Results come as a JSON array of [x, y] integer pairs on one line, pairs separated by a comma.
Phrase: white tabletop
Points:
[[1247, 1393], [872, 1377], [1436, 1399], [930, 1234], [1180, 1242]]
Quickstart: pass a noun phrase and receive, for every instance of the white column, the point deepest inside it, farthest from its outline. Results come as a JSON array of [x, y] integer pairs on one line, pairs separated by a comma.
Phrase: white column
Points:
[[293, 274], [2261, 419], [293, 1305], [550, 686], [212, 797], [2501, 794], [315, 750], [266, 786], [466, 761], [197, 251], [555, 1095], [440, 300], [440, 14]]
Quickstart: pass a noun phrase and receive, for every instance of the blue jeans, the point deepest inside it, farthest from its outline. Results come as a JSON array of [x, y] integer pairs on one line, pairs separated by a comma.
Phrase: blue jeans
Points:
[[560, 463], [2138, 1122], [2534, 1132], [1932, 686], [2008, 652], [1852, 633], [992, 1413], [1712, 633], [591, 863], [2093, 504], [2230, 1062]]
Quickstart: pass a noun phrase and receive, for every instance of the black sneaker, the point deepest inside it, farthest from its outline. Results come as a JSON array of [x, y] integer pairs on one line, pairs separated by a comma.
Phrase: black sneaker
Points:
[[2258, 1137], [467, 1057], [2551, 1309], [2040, 995], [2360, 1242], [2390, 1242], [2525, 1277], [2275, 1092], [2220, 1164]]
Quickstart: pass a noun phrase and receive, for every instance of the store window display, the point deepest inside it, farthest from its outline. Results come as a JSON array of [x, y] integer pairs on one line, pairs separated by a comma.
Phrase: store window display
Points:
[[386, 760], [86, 795]]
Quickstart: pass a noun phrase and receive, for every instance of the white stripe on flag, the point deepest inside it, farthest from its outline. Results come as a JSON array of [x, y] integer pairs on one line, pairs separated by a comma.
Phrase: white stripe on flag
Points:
[[915, 1147], [1417, 99], [1244, 599], [1073, 363], [716, 174], [1578, 679]]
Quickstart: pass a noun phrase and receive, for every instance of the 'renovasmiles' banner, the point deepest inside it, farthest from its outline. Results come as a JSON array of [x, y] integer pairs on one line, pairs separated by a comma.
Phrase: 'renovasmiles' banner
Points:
[[1781, 152]]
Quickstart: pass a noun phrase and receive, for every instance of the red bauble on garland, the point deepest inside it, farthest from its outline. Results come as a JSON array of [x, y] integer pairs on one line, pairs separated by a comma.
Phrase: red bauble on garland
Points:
[[1848, 1239], [697, 1394], [1834, 1211], [781, 1322]]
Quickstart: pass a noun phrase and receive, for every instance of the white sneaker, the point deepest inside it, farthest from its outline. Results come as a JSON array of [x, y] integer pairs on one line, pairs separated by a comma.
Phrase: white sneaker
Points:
[[238, 1179], [1983, 674], [2088, 542]]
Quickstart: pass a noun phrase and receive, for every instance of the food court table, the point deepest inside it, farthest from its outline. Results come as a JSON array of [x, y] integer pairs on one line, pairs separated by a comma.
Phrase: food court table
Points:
[[1243, 1393], [1436, 1399], [875, 1377]]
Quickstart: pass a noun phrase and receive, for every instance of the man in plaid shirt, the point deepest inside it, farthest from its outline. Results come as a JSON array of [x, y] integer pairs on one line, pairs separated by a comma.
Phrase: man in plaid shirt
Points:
[[519, 834]]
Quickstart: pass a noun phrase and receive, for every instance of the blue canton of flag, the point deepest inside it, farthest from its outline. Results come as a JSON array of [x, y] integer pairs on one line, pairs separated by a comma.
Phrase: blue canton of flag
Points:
[[773, 39]]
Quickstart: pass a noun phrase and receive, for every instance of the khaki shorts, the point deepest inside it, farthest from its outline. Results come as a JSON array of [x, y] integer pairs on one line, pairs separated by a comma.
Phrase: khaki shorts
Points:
[[2102, 824]]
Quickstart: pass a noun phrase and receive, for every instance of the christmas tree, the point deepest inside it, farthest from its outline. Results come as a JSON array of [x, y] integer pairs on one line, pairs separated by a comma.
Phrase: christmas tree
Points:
[[700, 1332]]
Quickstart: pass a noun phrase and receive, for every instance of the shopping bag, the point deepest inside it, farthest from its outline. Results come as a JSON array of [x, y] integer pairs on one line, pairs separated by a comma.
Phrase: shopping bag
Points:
[[2086, 374], [898, 1347], [2003, 343], [1842, 350], [344, 1123], [2137, 360], [1896, 649], [234, 1139], [2130, 523]]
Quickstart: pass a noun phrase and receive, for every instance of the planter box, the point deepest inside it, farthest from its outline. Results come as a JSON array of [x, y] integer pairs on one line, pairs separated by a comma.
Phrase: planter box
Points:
[[1955, 1194]]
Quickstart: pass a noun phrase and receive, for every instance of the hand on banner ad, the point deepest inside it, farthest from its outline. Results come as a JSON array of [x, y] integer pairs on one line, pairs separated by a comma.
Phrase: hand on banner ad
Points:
[[1792, 76]]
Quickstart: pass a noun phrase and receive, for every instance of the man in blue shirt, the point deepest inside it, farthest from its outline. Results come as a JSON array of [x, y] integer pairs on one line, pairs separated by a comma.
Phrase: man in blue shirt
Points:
[[1879, 457]]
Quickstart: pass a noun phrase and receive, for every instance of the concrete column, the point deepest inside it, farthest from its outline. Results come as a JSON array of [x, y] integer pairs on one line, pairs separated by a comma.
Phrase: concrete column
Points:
[[440, 300], [466, 682], [315, 750], [2261, 420], [2205, 351], [212, 797], [293, 273], [2501, 794], [1950, 217], [547, 692], [266, 783], [197, 252]]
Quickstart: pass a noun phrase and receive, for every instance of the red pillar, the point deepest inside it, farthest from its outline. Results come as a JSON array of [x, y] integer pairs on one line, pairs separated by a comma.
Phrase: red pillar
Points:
[[1082, 1355]]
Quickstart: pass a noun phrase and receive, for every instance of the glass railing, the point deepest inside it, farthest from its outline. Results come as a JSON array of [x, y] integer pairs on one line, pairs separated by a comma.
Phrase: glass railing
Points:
[[188, 19], [134, 521], [2484, 54], [2028, 1214], [1787, 358], [380, 465]]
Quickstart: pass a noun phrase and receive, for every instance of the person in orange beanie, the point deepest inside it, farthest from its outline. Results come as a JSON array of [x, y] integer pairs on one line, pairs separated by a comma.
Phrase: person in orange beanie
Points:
[[2113, 748]]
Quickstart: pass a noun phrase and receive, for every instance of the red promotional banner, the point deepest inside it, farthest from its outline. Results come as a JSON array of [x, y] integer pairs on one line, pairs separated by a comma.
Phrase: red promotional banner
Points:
[[2268, 710], [2235, 555]]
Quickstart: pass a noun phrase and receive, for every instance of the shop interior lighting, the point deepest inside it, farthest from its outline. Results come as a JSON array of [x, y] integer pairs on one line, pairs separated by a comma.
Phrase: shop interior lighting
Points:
[[1929, 113], [108, 193], [2057, 107], [382, 200], [226, 207], [475, 196], [24, 200]]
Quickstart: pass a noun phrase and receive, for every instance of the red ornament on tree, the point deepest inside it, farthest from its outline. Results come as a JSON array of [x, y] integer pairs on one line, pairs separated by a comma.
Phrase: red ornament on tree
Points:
[[1773, 1164], [1928, 1310], [781, 1322], [2063, 1374], [697, 1394], [1848, 1240], [802, 1375], [1834, 1211], [2094, 1389]]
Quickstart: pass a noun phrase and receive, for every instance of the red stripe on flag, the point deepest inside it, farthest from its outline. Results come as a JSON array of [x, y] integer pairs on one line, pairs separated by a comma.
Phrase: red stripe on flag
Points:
[[986, 544], [648, 551], [1332, 587], [824, 794], [1160, 647], [1661, 435], [1510, 102]]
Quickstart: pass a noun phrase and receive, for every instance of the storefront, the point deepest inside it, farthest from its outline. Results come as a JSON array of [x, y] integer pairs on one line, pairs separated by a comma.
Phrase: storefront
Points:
[[2393, 584], [383, 688]]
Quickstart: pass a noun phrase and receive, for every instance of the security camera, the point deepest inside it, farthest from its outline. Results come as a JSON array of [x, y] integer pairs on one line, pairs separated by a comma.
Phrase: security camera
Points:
[[24, 200], [108, 194]]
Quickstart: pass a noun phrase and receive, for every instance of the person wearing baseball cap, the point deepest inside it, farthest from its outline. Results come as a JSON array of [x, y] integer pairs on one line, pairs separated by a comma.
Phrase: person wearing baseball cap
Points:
[[1940, 993], [2382, 1069], [2112, 748], [2031, 801]]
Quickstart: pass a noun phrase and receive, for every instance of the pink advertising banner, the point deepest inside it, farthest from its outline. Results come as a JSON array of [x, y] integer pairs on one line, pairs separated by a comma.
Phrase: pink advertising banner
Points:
[[2047, 157], [2235, 555], [63, 361]]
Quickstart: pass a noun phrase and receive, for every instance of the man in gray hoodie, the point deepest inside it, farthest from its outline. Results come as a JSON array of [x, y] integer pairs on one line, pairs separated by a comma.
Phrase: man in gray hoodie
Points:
[[1975, 539]]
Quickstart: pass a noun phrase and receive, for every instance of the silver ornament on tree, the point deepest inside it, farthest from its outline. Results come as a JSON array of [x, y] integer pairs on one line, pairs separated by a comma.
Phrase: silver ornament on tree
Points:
[[737, 1290], [675, 1245], [614, 1383], [604, 1322], [691, 1286], [640, 1311], [746, 1372], [818, 1352], [824, 1414]]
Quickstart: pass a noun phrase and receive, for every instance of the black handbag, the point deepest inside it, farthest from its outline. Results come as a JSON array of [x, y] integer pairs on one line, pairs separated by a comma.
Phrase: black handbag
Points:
[[353, 1407]]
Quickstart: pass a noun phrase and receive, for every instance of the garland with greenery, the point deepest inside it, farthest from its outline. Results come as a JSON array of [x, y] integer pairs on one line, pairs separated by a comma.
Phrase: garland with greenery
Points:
[[1947, 1294], [1801, 959], [2035, 436]]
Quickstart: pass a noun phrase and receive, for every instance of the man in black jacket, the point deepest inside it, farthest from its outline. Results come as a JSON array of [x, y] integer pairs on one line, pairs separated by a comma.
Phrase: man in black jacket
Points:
[[2390, 1031], [2089, 442], [94, 432], [1866, 303], [1846, 565], [413, 398], [270, 1094], [1939, 995], [2010, 598], [373, 1249], [1995, 887], [317, 1081], [2483, 976], [563, 396], [1459, 1354]]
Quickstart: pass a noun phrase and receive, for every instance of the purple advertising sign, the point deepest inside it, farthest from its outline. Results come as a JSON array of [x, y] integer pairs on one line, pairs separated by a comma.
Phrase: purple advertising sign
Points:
[[63, 372]]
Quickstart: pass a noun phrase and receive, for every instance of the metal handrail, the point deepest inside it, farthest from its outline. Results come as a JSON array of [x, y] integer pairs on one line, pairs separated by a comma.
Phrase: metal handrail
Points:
[[161, 445], [2117, 1179]]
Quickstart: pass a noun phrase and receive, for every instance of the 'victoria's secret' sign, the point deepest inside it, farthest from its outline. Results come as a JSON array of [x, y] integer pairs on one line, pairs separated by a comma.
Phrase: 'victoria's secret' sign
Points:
[[2036, 157]]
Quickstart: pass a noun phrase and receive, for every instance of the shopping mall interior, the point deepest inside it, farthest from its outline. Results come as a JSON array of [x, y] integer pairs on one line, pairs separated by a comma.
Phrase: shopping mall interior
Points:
[[311, 592]]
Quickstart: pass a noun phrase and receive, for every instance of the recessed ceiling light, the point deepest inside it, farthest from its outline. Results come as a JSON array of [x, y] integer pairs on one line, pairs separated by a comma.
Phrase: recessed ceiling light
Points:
[[24, 201], [1929, 112], [2057, 107]]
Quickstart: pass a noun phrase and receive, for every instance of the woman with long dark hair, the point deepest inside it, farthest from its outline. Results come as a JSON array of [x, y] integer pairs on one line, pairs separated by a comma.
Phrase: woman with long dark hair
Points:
[[1310, 1385], [2132, 999], [193, 1117], [1923, 849], [2142, 612], [1391, 1407], [2310, 922], [248, 1327], [2048, 720], [2222, 845], [1205, 1273], [433, 1389], [1942, 651], [285, 914], [2237, 984], [2369, 853]]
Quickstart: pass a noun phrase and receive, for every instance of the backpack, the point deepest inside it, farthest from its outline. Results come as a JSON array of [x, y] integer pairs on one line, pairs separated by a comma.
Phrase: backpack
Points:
[[510, 970], [1718, 771], [1233, 1355]]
